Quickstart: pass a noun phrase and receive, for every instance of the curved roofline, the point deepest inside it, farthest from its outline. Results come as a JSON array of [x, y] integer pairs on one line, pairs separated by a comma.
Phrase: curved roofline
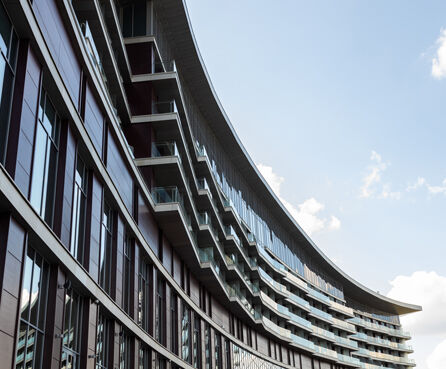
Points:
[[353, 288]]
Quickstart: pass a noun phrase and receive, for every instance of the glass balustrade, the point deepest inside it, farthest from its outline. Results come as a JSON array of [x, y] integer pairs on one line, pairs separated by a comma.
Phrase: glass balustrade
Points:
[[343, 324], [318, 296], [323, 332], [346, 342], [164, 195], [321, 314], [169, 148], [165, 66], [302, 342], [164, 107], [202, 184], [373, 326], [348, 359], [299, 301], [381, 341], [297, 281], [345, 309], [326, 352], [299, 320], [229, 230]]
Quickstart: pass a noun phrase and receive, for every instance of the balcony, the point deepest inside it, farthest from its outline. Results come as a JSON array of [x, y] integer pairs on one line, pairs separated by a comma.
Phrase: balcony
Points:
[[346, 342], [164, 107], [322, 315], [379, 328], [318, 296], [325, 352], [348, 360], [299, 301], [335, 306], [402, 360], [296, 281], [165, 149], [302, 343], [343, 325], [300, 322], [273, 283], [382, 342], [323, 333]]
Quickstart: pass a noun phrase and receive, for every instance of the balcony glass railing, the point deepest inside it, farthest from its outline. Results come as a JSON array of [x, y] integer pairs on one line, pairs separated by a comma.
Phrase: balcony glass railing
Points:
[[323, 332], [346, 342], [326, 352], [201, 149], [302, 342], [387, 357], [382, 342], [163, 107], [202, 184], [318, 296], [160, 149], [299, 320], [229, 230], [299, 282], [272, 282], [271, 260], [349, 359], [276, 329], [345, 309], [321, 314], [343, 324], [299, 301], [165, 66], [165, 195], [381, 328]]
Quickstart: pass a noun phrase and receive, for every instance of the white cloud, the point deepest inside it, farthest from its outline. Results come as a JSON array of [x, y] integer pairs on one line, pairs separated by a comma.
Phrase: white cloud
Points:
[[427, 289], [437, 359], [335, 223], [433, 190], [371, 182], [439, 60], [307, 213], [420, 182]]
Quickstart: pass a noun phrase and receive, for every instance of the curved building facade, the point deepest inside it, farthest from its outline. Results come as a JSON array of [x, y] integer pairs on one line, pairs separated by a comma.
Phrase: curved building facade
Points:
[[135, 230]]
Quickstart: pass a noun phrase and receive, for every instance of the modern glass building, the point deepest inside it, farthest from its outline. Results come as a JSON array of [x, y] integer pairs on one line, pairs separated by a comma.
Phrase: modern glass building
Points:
[[135, 230]]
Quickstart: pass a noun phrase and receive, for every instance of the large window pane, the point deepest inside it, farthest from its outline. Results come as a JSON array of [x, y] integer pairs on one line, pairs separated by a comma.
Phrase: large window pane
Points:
[[79, 208], [33, 311], [45, 160], [106, 248]]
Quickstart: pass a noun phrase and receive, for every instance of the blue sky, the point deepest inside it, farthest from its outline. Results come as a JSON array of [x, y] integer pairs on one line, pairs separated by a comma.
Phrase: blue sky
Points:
[[342, 104]]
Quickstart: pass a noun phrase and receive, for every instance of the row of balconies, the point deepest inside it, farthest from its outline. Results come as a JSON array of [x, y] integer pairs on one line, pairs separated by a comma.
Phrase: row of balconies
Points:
[[173, 195], [380, 356]]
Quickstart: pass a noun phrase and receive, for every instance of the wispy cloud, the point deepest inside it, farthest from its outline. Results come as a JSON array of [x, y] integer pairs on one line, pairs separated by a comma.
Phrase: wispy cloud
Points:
[[433, 190], [439, 60], [306, 213], [372, 186]]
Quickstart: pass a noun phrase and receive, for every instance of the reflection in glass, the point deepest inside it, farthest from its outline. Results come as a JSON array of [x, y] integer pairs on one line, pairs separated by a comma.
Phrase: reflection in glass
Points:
[[106, 249], [33, 303], [45, 160], [79, 208]]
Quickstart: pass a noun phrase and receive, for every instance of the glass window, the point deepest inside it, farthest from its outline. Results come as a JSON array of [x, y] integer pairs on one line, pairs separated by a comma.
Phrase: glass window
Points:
[[143, 295], [71, 330], [159, 310], [46, 146], [106, 249], [185, 333], [102, 342], [127, 274], [78, 212], [134, 20], [143, 356], [207, 342], [174, 323], [8, 55], [228, 354], [33, 303], [218, 364], [196, 343], [124, 351]]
